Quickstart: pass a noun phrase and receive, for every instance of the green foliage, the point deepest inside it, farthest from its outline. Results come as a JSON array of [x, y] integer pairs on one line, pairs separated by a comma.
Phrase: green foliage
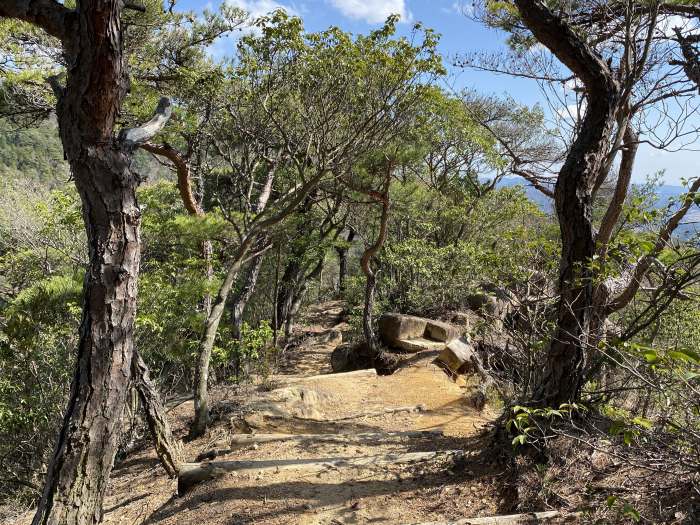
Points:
[[445, 248], [31, 154], [529, 423], [38, 336], [250, 347]]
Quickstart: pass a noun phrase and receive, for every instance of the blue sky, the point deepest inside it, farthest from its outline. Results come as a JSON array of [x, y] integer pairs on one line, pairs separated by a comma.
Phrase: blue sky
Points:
[[459, 35]]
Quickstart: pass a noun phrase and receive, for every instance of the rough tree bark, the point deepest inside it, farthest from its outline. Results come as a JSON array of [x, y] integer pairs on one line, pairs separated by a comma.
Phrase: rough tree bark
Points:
[[166, 446], [380, 359], [343, 261], [562, 376], [87, 108]]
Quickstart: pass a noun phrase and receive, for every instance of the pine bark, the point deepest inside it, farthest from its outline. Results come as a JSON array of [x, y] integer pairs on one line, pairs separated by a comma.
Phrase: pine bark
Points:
[[562, 377], [87, 108], [165, 444]]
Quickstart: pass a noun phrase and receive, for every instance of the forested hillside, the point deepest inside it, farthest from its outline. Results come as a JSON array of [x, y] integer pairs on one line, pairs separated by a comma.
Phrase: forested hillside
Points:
[[253, 272]]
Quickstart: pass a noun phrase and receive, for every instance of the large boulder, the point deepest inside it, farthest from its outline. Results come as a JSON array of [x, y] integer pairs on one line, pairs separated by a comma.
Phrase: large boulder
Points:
[[396, 327], [441, 331], [458, 356]]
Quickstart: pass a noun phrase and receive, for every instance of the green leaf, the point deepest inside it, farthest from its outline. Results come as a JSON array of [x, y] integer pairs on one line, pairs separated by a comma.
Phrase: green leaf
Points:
[[519, 440], [629, 511]]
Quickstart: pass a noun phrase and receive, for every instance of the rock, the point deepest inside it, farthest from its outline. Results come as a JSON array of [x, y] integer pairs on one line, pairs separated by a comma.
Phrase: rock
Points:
[[394, 327], [457, 356], [482, 302], [441, 331], [341, 358], [349, 357], [331, 337], [463, 319], [418, 345]]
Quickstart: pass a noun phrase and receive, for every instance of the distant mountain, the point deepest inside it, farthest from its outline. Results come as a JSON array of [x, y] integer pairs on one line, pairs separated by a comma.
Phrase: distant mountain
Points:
[[665, 194]]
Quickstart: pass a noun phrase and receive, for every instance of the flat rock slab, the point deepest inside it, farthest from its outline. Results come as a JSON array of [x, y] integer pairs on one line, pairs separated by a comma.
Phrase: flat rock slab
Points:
[[529, 518], [418, 345], [193, 473]]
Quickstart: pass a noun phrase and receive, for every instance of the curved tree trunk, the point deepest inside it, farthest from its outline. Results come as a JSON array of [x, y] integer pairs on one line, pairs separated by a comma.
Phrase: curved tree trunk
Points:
[[381, 360], [206, 345], [165, 444], [573, 196]]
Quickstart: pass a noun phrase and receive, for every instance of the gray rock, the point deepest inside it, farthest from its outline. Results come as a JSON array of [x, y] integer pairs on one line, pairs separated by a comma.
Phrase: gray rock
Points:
[[395, 327], [441, 331], [341, 358], [458, 356], [350, 357]]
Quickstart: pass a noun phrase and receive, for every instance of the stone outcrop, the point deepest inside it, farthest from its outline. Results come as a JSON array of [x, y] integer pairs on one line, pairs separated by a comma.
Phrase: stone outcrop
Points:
[[458, 356], [395, 327], [419, 344], [441, 331], [349, 357], [415, 334]]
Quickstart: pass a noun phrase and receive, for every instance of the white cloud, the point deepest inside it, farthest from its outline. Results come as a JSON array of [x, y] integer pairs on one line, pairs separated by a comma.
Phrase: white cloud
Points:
[[371, 11], [461, 8]]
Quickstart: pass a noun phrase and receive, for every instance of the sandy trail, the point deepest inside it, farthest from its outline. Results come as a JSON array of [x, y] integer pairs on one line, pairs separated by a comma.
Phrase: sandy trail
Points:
[[349, 406]]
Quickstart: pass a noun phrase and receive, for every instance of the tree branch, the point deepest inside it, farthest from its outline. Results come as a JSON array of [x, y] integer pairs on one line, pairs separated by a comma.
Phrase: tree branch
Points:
[[612, 214], [49, 15], [642, 267], [135, 137], [182, 168]]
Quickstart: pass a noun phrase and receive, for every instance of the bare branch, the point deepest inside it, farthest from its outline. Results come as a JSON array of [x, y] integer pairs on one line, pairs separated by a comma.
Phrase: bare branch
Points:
[[612, 214], [135, 137], [182, 168], [642, 267]]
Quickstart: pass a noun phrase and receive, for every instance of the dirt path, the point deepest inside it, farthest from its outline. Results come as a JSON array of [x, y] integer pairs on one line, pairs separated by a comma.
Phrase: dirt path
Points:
[[346, 454]]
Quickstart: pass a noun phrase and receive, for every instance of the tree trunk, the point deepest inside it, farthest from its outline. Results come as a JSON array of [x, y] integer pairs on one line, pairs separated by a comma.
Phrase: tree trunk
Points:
[[287, 287], [563, 372], [384, 363], [240, 300], [78, 474], [87, 109], [206, 345], [343, 262], [165, 444]]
